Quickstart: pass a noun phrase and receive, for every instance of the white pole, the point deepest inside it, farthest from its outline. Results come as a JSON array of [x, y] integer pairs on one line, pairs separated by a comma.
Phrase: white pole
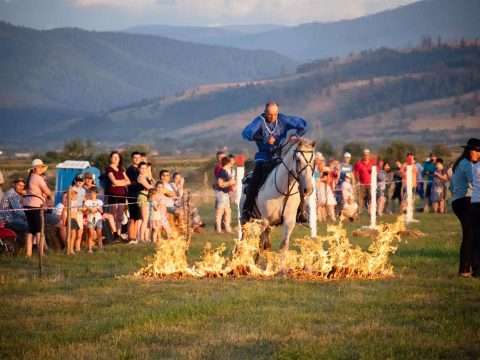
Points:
[[312, 210], [373, 198], [409, 217], [238, 195]]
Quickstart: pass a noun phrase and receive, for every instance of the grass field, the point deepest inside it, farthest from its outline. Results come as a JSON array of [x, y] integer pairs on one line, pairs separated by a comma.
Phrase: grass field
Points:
[[82, 310]]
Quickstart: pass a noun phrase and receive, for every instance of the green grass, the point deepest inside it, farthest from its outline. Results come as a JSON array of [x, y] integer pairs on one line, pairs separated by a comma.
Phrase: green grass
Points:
[[81, 309]]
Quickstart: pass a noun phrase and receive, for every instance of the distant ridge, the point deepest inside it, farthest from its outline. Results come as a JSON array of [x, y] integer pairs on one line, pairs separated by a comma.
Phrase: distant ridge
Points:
[[94, 71], [397, 28]]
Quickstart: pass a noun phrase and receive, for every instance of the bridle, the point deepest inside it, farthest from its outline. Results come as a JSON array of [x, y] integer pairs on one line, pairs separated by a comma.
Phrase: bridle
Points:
[[294, 174]]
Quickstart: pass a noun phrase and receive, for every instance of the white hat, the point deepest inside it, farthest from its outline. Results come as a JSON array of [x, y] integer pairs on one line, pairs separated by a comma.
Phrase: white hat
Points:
[[347, 154], [319, 155], [38, 162], [366, 151]]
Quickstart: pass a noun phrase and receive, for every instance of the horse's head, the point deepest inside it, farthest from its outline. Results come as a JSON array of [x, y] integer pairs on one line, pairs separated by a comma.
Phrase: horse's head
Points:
[[304, 154]]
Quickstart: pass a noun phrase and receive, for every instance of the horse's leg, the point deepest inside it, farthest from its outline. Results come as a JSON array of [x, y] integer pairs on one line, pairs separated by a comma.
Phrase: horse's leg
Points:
[[288, 226]]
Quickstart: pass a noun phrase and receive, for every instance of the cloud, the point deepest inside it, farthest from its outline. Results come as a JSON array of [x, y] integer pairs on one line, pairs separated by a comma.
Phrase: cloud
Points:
[[121, 14]]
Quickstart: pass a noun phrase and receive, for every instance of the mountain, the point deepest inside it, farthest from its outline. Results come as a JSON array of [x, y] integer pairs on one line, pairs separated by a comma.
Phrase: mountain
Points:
[[402, 27], [425, 95], [90, 71], [213, 35]]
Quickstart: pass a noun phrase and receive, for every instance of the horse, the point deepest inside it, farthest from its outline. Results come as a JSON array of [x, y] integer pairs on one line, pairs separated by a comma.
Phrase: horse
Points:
[[278, 198]]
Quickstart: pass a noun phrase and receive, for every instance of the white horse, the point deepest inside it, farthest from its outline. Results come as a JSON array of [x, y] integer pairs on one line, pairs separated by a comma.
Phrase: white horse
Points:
[[279, 197]]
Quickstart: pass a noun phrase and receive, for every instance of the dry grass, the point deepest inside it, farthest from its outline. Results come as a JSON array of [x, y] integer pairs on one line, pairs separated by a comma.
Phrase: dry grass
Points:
[[82, 310]]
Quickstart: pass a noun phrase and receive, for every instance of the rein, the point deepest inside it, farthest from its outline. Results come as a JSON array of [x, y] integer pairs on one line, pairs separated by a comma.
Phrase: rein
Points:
[[292, 177]]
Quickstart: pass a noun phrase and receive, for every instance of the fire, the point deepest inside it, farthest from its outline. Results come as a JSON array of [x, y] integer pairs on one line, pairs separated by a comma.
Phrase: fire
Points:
[[328, 257]]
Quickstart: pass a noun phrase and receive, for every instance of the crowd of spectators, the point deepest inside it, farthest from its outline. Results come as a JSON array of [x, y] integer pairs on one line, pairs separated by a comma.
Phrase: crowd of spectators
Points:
[[129, 203], [135, 207]]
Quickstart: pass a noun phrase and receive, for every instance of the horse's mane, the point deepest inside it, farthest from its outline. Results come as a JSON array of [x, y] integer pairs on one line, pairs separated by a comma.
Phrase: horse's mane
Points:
[[294, 143]]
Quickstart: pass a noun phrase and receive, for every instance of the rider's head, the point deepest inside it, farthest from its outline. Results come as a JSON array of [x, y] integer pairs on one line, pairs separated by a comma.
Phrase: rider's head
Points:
[[271, 112]]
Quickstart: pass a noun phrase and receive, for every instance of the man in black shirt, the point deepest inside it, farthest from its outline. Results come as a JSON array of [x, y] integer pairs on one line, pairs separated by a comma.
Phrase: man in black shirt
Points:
[[132, 194]]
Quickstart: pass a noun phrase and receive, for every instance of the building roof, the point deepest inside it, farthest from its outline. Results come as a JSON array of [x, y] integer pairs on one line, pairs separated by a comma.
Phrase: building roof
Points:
[[73, 164]]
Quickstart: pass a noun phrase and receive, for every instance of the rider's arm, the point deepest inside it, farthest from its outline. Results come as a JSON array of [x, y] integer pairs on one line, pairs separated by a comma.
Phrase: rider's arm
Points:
[[252, 131], [296, 123]]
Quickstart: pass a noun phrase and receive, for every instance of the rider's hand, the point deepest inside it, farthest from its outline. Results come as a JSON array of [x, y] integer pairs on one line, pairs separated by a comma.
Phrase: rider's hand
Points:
[[292, 138], [271, 140]]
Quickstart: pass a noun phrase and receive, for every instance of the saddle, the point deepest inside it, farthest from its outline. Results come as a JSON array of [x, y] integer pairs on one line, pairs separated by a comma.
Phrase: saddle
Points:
[[267, 169]]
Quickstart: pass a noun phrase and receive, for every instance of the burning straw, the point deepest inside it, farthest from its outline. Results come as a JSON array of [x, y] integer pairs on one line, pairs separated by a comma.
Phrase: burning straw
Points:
[[328, 257]]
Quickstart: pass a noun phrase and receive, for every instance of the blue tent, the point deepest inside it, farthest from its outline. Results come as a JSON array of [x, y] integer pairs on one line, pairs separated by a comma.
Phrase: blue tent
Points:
[[66, 172]]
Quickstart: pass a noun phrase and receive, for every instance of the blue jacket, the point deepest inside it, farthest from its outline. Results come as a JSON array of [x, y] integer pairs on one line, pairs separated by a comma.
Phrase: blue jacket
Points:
[[259, 131]]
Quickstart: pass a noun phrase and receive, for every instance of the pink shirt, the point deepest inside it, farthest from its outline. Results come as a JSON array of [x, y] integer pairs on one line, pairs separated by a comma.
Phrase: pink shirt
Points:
[[34, 195]]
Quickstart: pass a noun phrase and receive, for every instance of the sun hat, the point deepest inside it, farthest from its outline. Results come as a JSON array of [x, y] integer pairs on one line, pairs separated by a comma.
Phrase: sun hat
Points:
[[472, 144], [366, 151], [88, 175], [319, 155], [347, 154], [37, 163]]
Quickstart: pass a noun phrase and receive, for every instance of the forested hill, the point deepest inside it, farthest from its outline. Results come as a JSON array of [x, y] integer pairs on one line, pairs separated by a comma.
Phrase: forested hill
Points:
[[421, 95], [90, 71], [402, 27]]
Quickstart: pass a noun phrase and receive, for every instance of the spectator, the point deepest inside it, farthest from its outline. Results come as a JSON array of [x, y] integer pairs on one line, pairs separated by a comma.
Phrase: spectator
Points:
[[325, 196], [220, 155], [223, 213], [475, 215], [420, 188], [170, 196], [144, 185], [159, 213], [132, 195], [73, 221], [36, 193], [177, 186], [363, 173], [429, 169], [347, 189], [381, 188], [345, 168], [439, 188], [11, 213], [88, 181], [397, 181], [461, 188], [94, 209], [410, 161], [116, 188], [77, 185], [388, 183], [2, 182], [350, 209]]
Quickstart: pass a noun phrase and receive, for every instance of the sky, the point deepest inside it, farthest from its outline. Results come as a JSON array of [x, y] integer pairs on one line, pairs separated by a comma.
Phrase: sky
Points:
[[121, 14]]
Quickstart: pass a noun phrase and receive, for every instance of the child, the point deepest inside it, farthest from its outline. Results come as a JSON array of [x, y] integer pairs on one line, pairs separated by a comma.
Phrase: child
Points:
[[159, 212], [94, 208], [73, 221], [381, 189], [347, 189], [439, 187], [325, 196], [154, 214], [350, 209]]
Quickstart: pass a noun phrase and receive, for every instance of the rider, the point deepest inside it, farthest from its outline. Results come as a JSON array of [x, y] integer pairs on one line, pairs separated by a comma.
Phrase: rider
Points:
[[268, 130]]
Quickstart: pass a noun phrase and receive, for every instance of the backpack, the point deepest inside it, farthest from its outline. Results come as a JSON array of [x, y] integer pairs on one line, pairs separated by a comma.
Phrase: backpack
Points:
[[103, 181]]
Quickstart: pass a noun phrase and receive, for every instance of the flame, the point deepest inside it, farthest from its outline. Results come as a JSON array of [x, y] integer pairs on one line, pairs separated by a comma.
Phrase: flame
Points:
[[328, 257]]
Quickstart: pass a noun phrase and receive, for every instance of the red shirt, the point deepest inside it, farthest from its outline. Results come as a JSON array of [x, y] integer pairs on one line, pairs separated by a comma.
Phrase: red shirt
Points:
[[363, 171], [217, 169], [118, 175]]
